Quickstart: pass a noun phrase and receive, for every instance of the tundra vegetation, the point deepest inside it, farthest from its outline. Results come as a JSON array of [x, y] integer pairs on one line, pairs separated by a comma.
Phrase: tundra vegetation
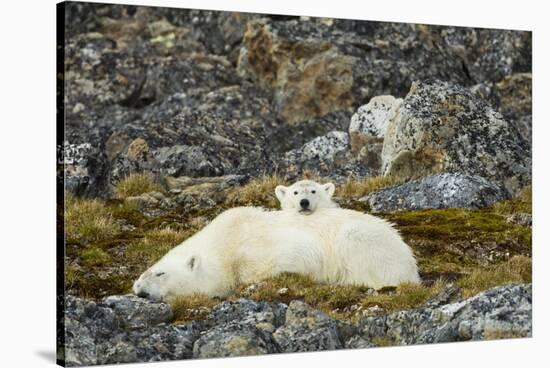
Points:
[[111, 241]]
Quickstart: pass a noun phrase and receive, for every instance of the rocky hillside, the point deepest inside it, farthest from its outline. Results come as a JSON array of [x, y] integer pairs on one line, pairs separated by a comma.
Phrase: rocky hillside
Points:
[[173, 116]]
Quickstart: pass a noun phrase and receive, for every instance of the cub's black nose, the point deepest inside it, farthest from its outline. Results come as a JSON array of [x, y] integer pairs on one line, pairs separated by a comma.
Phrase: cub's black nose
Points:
[[304, 203], [143, 294]]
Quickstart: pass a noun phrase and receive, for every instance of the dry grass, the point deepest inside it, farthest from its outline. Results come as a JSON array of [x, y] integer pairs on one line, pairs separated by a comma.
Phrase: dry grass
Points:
[[521, 203], [516, 270], [155, 244], [257, 192], [339, 301], [88, 220], [136, 184], [355, 189], [191, 308]]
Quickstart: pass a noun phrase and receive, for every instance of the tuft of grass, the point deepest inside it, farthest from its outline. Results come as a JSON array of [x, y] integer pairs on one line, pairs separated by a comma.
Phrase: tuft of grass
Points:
[[191, 308], [136, 184], [95, 256], [521, 203], [517, 269], [353, 188], [88, 220], [257, 192], [155, 244]]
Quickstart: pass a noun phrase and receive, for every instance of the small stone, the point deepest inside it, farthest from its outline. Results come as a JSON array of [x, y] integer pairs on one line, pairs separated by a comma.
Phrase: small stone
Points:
[[524, 219], [282, 291], [78, 107]]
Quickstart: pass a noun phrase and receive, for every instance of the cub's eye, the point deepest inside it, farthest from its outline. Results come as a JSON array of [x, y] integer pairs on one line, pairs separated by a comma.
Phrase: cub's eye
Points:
[[312, 192], [295, 193], [159, 274]]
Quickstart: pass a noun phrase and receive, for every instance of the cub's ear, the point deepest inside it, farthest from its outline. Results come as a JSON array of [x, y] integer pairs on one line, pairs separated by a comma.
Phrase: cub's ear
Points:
[[193, 262], [329, 189], [280, 192]]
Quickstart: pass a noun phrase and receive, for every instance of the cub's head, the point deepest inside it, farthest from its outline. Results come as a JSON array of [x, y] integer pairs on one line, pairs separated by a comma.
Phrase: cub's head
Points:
[[305, 196]]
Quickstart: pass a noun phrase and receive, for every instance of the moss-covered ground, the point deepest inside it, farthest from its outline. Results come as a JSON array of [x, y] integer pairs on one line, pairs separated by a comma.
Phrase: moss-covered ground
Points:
[[110, 242]]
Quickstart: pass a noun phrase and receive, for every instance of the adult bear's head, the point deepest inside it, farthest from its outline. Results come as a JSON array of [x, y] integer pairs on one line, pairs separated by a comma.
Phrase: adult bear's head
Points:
[[183, 271]]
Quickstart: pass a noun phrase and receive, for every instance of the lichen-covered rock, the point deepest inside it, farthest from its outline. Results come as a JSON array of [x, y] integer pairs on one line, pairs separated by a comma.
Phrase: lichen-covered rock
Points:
[[357, 342], [307, 329], [328, 155], [501, 312], [242, 327], [368, 127], [244, 311], [515, 101], [444, 127], [520, 218], [489, 54], [85, 169], [123, 329], [445, 190], [370, 120], [234, 339], [315, 68], [135, 312]]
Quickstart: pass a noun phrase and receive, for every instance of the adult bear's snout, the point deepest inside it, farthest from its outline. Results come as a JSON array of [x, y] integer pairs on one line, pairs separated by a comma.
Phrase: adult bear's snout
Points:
[[143, 294], [304, 203]]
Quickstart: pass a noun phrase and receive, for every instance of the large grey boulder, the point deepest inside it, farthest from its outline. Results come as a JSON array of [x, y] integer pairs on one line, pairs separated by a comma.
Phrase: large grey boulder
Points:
[[444, 127], [501, 312], [327, 155], [445, 190]]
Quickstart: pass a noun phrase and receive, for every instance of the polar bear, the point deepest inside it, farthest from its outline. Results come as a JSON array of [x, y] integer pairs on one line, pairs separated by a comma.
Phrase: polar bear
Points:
[[305, 196], [248, 244]]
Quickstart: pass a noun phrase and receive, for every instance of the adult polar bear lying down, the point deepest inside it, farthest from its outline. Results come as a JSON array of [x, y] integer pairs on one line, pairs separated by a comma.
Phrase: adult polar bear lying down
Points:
[[248, 244]]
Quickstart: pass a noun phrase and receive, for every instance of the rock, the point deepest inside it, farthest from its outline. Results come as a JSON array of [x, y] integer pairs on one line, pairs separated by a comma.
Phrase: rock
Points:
[[370, 120], [515, 101], [234, 339], [247, 312], [306, 329], [282, 291], [501, 312], [135, 312], [489, 54], [520, 218], [446, 190], [357, 342], [443, 127], [368, 127], [328, 155], [314, 68], [123, 329], [85, 170], [242, 327]]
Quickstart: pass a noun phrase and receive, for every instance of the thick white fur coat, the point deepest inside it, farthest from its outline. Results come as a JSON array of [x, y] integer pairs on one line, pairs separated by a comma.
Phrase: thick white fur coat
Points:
[[246, 244]]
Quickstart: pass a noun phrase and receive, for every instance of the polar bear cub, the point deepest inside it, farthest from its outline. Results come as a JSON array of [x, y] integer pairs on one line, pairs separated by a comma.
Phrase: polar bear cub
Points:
[[305, 196], [248, 244]]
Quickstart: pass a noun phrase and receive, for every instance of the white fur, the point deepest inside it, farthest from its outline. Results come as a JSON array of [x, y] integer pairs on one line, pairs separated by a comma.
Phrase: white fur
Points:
[[318, 196], [247, 244]]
